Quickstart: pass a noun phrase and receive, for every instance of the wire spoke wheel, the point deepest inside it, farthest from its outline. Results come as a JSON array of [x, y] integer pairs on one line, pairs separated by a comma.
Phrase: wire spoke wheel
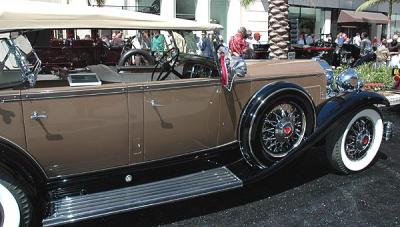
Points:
[[354, 144], [283, 129], [358, 139]]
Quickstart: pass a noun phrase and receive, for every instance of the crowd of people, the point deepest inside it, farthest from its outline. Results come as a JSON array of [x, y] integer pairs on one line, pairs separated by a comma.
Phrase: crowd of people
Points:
[[199, 43], [157, 42], [384, 49], [306, 39], [242, 43]]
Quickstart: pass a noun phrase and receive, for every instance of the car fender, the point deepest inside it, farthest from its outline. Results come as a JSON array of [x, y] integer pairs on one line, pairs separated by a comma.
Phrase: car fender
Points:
[[338, 107], [329, 114], [18, 162]]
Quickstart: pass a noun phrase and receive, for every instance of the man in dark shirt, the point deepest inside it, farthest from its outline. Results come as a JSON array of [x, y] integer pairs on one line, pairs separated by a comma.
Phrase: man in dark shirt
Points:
[[365, 46], [394, 46]]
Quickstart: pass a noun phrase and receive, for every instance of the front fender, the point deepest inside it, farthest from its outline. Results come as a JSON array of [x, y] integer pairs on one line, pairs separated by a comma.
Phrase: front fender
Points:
[[329, 114], [338, 107]]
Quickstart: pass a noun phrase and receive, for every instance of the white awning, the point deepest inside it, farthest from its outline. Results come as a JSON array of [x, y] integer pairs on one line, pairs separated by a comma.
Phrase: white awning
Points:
[[25, 15]]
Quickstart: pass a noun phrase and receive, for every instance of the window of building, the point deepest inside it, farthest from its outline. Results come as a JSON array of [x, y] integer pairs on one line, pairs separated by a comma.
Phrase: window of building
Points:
[[305, 20], [186, 9], [148, 6], [395, 25]]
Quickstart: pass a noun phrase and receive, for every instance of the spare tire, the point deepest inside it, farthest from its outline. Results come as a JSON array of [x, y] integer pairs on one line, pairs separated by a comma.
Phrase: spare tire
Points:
[[126, 59]]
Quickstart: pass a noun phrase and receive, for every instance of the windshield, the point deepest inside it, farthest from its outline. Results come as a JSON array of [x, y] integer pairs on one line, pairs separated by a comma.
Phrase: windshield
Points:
[[10, 73], [15, 68]]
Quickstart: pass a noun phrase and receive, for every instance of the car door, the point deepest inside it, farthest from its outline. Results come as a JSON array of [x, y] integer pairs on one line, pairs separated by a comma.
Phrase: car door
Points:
[[180, 116], [73, 130]]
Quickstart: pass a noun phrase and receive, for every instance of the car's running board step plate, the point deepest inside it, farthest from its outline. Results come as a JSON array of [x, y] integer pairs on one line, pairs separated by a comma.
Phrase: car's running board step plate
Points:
[[77, 208]]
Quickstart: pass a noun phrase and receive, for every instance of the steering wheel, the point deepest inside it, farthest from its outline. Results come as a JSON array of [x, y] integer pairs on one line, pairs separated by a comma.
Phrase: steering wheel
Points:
[[167, 63]]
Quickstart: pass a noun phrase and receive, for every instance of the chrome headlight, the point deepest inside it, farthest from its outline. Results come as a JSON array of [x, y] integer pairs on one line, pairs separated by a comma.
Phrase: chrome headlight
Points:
[[348, 81]]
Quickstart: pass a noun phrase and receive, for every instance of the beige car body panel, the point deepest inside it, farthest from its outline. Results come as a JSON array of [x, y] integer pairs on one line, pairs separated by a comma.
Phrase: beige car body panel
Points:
[[85, 129], [11, 121], [102, 127], [180, 117]]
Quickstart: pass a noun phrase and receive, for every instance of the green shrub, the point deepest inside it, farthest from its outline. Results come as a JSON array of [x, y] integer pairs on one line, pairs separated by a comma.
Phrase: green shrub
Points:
[[371, 73]]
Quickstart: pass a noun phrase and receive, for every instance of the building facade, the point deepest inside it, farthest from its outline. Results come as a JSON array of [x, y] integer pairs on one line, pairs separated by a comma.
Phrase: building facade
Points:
[[309, 16], [229, 13], [321, 17]]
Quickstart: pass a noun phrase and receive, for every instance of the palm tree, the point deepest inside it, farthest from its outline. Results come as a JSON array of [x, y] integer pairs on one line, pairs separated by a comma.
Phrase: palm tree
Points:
[[369, 3], [99, 3], [278, 27]]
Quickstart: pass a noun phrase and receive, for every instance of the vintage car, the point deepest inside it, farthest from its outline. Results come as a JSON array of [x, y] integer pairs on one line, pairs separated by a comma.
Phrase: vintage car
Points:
[[103, 140]]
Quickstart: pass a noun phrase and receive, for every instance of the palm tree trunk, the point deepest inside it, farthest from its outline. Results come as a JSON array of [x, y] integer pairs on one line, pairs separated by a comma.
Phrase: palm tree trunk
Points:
[[389, 25], [278, 28]]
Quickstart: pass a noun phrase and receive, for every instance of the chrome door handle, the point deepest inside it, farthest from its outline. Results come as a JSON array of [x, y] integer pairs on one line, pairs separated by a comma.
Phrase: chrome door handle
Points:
[[154, 103], [38, 116]]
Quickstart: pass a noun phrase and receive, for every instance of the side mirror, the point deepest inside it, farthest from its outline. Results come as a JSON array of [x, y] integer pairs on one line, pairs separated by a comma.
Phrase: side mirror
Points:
[[230, 67], [239, 68]]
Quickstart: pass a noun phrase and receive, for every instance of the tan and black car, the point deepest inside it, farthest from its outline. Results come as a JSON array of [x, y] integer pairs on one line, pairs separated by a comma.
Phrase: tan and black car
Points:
[[103, 140]]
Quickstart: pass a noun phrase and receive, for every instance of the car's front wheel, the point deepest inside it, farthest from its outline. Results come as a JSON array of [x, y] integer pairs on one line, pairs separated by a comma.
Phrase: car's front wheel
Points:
[[354, 144], [15, 206]]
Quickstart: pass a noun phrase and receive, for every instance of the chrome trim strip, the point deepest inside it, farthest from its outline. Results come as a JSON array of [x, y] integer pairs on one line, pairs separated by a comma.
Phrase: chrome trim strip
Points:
[[26, 153], [10, 98], [120, 90], [135, 89], [202, 83], [259, 163], [274, 77], [71, 94], [145, 162]]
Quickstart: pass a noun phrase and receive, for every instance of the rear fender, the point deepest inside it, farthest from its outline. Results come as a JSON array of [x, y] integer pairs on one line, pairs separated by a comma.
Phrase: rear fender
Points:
[[16, 161]]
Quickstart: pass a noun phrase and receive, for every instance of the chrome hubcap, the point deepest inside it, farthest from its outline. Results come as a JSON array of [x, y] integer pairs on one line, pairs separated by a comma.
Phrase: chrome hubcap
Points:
[[358, 139], [283, 129]]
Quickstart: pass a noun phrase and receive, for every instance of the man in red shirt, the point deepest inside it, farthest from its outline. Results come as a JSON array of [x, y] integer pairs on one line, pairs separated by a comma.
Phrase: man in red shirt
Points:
[[237, 44]]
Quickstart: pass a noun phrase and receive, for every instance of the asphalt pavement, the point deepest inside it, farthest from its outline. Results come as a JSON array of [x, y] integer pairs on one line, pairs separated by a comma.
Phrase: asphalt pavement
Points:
[[305, 193]]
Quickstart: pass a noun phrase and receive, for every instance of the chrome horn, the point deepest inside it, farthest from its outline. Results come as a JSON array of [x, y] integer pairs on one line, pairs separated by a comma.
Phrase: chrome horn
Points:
[[348, 81]]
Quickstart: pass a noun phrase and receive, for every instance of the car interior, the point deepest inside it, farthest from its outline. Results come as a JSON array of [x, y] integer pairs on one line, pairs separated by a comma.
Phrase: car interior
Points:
[[170, 64]]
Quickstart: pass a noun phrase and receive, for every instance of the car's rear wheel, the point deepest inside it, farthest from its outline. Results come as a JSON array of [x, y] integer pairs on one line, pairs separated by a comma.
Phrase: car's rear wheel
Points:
[[15, 205], [354, 144], [283, 128]]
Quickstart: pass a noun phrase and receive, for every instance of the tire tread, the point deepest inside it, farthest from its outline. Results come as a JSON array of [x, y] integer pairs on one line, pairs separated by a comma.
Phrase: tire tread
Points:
[[23, 201]]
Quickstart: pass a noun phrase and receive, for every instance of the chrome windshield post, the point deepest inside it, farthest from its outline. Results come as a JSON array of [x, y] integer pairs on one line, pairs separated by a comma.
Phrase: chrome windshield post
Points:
[[29, 71]]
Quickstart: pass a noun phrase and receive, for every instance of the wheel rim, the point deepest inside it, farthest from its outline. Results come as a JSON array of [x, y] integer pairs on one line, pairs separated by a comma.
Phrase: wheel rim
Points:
[[283, 129], [359, 138]]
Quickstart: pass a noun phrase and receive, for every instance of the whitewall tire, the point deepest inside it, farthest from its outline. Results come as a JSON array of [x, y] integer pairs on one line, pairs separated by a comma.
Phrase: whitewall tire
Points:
[[355, 143], [8, 208], [16, 207]]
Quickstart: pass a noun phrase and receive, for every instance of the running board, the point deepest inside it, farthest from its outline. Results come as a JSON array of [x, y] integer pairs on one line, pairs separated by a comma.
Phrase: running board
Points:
[[78, 208]]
